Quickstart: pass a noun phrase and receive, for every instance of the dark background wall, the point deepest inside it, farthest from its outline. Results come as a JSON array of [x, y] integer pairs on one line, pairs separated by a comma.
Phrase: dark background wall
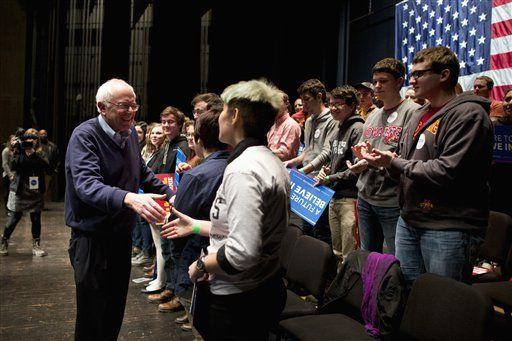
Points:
[[285, 42], [372, 36], [13, 27]]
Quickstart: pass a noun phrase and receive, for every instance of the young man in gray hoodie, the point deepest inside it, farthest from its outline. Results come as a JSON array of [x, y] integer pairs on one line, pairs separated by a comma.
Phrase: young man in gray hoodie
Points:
[[335, 173], [444, 161], [377, 198], [320, 130]]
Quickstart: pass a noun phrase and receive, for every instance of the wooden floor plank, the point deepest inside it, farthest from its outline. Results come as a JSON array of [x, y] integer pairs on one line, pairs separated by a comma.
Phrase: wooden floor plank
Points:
[[37, 295]]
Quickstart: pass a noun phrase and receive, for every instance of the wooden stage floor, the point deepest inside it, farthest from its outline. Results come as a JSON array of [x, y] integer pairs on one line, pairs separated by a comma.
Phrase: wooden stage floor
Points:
[[37, 295]]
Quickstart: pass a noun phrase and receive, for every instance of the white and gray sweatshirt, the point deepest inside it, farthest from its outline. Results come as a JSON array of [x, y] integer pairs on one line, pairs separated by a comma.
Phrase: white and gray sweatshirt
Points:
[[249, 218]]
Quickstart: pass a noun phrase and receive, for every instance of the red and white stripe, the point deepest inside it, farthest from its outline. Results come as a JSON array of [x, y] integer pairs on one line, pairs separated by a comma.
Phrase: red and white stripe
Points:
[[501, 51]]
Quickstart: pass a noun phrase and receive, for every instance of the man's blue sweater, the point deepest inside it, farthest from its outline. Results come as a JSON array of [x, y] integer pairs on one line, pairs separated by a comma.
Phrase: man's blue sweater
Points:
[[99, 174]]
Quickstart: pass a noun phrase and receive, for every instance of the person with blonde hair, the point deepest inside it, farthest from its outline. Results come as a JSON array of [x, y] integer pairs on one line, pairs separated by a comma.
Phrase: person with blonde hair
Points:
[[248, 219]]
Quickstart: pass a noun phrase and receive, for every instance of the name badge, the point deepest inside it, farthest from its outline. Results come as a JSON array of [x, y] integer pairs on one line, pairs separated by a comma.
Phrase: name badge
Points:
[[33, 182]]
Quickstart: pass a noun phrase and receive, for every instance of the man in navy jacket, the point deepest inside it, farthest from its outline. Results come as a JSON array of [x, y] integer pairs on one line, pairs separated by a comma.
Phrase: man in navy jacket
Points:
[[104, 171]]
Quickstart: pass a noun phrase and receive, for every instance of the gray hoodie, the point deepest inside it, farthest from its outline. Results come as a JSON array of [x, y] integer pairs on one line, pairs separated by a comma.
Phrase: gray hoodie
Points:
[[383, 129], [319, 131]]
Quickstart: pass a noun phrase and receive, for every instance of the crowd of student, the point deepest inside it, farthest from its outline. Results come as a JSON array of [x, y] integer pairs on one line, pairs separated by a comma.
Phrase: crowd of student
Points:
[[410, 177]]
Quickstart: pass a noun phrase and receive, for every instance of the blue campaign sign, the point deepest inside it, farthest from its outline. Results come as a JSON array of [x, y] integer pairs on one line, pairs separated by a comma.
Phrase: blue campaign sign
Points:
[[180, 157], [307, 201], [502, 144]]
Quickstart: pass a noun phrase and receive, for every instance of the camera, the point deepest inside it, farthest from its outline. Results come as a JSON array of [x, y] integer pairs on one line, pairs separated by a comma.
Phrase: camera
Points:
[[21, 141]]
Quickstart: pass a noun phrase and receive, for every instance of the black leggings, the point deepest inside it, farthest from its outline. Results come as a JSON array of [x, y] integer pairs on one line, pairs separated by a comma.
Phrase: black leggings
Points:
[[15, 218]]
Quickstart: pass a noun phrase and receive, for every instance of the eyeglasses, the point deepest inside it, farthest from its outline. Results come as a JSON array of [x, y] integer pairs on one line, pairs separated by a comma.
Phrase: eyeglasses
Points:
[[337, 106], [126, 106], [419, 73]]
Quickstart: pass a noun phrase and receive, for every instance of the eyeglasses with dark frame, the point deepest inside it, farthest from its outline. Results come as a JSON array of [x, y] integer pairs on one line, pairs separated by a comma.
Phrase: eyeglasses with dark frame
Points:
[[337, 106], [125, 106], [419, 73]]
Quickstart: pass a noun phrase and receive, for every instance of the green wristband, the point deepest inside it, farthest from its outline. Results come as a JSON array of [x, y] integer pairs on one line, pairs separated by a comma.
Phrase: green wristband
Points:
[[327, 179], [196, 229]]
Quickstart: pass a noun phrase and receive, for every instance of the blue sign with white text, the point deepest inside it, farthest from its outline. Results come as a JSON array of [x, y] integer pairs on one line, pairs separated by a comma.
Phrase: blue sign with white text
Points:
[[502, 144], [308, 201], [180, 158]]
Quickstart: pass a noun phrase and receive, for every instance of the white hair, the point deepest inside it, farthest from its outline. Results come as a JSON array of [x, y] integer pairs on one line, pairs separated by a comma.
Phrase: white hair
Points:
[[253, 91], [106, 90]]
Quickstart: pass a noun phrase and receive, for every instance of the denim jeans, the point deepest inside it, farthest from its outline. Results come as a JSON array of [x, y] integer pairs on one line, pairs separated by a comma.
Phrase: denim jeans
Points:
[[169, 266], [377, 226], [141, 235], [443, 252], [320, 230]]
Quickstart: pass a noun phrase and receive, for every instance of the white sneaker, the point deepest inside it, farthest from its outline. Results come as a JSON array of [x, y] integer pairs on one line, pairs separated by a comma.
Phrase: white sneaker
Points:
[[36, 248]]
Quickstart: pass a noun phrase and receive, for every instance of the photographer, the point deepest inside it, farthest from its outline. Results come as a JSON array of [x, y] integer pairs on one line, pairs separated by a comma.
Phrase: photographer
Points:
[[7, 173], [28, 187]]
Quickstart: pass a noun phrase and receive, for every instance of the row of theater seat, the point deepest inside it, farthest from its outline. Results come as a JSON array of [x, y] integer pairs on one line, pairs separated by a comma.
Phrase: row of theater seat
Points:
[[437, 308]]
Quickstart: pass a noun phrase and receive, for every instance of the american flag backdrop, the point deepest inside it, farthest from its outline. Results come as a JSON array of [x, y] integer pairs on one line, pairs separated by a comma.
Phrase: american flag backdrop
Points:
[[478, 31]]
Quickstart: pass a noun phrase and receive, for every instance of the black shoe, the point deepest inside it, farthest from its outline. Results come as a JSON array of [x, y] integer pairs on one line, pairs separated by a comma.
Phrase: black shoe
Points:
[[148, 292]]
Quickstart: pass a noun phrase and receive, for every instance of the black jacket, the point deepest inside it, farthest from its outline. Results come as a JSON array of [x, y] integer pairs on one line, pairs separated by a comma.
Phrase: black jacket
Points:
[[27, 166], [343, 181], [345, 294], [165, 159], [445, 167]]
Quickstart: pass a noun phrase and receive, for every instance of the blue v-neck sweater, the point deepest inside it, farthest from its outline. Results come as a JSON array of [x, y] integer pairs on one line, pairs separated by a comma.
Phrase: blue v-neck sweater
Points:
[[99, 174]]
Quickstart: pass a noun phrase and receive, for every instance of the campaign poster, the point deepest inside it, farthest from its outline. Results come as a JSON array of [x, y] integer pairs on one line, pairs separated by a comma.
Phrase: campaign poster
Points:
[[307, 201], [502, 151], [180, 158], [167, 179]]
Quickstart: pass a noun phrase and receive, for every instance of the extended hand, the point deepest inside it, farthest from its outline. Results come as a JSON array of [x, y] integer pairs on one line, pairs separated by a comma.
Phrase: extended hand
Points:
[[146, 206], [361, 149], [380, 158], [183, 167], [289, 163], [179, 227], [358, 167]]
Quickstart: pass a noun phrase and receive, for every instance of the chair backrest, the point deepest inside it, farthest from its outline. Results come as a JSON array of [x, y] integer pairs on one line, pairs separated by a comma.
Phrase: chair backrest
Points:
[[287, 244], [312, 263], [440, 308], [498, 238]]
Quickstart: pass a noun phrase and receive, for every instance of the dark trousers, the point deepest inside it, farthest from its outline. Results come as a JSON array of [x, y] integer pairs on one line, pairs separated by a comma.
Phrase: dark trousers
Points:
[[14, 219], [320, 230], [6, 183], [246, 316], [102, 267]]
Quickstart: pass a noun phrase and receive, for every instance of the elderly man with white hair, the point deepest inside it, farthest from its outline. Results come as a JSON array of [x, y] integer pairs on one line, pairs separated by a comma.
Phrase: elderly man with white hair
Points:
[[104, 171]]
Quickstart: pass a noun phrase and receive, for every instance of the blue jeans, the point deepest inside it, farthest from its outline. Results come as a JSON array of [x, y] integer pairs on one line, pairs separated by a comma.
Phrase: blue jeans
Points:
[[377, 226], [443, 252], [320, 230], [170, 267], [141, 235]]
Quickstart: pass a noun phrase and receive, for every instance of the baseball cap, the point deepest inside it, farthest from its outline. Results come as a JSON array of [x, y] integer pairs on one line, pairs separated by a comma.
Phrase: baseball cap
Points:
[[367, 85]]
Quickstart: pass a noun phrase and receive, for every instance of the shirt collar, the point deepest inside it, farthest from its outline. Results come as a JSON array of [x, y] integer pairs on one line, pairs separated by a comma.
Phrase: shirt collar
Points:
[[119, 138], [282, 118], [104, 125]]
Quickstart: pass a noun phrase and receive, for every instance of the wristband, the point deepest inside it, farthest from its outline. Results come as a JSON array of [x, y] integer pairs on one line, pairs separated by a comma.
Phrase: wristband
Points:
[[327, 179], [196, 229]]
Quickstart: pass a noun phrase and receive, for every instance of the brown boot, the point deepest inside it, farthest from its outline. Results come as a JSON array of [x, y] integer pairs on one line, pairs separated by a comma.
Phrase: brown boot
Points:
[[162, 297], [172, 305]]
